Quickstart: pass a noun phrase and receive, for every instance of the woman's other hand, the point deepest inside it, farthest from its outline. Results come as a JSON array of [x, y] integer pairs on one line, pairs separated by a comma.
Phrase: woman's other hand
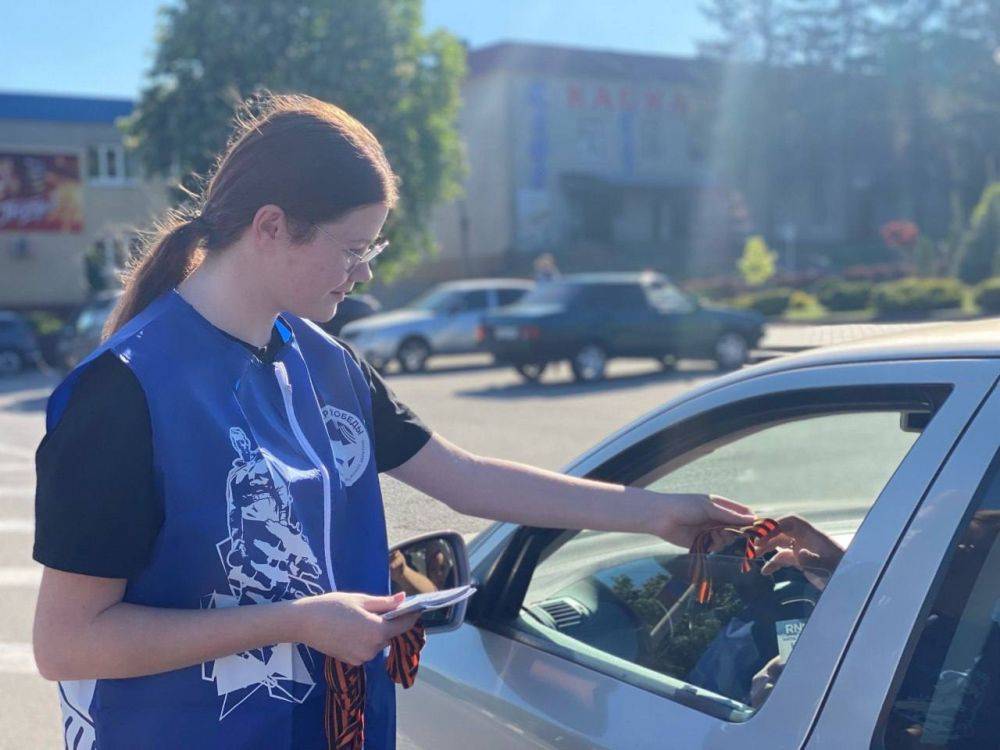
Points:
[[350, 627]]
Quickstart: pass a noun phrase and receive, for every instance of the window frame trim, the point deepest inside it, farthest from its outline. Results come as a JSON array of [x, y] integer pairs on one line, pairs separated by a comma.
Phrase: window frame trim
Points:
[[896, 610]]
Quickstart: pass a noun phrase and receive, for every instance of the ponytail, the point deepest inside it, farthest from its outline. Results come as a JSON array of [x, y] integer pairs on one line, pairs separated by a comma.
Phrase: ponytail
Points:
[[169, 256]]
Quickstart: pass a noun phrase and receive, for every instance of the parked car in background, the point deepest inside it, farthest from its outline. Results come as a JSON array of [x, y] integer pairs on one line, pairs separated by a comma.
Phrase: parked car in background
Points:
[[888, 637], [352, 307], [81, 337], [590, 318], [18, 345], [444, 320]]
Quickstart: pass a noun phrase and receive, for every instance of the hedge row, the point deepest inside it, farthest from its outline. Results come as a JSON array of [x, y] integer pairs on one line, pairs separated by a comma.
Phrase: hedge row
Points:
[[906, 296]]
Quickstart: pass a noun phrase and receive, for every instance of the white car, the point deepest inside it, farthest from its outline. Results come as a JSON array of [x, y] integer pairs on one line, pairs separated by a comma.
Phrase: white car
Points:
[[444, 320], [889, 447]]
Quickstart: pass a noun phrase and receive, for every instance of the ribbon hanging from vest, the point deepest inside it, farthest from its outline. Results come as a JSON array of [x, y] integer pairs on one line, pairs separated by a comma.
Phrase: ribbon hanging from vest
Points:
[[755, 535], [345, 698]]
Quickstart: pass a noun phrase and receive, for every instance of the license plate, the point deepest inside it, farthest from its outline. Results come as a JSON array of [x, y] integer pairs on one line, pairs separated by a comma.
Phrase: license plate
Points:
[[505, 333]]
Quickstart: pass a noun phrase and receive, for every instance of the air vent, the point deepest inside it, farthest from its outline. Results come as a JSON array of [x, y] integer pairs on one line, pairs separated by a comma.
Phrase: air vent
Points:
[[564, 612]]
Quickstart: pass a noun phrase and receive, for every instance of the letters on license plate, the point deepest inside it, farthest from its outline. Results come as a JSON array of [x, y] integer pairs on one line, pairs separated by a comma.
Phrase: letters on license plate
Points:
[[505, 333]]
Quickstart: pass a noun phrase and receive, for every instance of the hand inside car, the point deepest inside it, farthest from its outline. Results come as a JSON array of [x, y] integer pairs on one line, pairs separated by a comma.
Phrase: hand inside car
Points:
[[763, 682], [801, 545]]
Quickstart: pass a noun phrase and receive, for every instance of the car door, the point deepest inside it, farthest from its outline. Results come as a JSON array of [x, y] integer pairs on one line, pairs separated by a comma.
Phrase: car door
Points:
[[923, 667], [456, 331], [618, 317], [507, 680], [677, 330]]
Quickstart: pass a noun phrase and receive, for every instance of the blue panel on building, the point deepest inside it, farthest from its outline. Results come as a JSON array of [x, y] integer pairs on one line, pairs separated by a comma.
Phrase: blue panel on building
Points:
[[62, 108]]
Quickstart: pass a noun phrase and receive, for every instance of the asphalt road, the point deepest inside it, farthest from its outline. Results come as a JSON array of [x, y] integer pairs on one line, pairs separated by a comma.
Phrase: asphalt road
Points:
[[485, 410]]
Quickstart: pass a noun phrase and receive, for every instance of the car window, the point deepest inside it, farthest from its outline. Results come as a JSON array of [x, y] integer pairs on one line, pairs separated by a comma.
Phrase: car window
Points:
[[509, 296], [478, 299], [435, 300], [665, 297], [632, 597], [949, 694], [618, 296]]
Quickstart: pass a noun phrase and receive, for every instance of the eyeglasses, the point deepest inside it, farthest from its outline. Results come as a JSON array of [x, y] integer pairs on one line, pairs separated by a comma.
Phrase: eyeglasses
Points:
[[356, 259]]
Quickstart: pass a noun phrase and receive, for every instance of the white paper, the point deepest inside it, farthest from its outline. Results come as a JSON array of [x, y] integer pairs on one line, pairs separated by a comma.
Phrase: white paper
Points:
[[433, 600]]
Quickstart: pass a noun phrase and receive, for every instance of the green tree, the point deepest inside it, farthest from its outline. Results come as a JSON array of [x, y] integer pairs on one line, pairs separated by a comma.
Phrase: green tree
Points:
[[371, 58], [757, 265]]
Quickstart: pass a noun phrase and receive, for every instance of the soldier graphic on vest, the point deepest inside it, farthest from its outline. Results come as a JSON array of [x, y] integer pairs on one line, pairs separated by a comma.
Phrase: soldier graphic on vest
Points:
[[267, 555]]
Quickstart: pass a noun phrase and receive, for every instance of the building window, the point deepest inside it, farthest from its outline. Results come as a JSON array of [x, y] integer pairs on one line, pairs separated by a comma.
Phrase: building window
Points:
[[109, 164]]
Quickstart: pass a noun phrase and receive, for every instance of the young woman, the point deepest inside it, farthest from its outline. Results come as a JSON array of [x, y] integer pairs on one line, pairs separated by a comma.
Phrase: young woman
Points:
[[218, 450]]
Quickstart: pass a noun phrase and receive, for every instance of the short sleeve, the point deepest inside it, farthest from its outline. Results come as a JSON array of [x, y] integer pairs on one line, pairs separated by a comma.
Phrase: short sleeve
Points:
[[399, 433], [96, 511]]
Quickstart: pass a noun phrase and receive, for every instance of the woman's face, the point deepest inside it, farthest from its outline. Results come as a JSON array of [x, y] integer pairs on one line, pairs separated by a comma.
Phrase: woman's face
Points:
[[316, 276]]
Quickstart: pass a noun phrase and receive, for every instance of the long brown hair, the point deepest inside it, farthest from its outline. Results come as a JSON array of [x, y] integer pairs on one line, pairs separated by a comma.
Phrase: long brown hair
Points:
[[306, 156]]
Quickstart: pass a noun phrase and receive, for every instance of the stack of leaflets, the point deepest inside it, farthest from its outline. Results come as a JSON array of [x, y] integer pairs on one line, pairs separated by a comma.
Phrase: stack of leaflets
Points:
[[433, 600]]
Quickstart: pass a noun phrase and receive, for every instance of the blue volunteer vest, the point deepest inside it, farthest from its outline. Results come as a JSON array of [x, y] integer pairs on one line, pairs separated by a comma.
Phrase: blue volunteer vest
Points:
[[270, 492]]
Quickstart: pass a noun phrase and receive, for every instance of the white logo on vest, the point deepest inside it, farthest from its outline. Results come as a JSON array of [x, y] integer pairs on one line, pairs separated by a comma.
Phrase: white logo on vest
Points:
[[352, 450], [267, 558]]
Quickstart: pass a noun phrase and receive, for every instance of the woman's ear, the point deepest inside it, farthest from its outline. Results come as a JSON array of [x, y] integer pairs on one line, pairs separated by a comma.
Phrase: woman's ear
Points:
[[268, 225]]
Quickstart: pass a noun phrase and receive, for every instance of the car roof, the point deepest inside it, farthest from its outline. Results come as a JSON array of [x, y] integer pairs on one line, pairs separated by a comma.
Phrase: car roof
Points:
[[967, 340], [972, 339], [625, 277], [466, 284]]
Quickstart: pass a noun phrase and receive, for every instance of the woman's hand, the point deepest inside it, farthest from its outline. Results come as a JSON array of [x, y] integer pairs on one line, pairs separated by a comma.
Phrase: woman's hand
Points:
[[680, 518], [349, 627]]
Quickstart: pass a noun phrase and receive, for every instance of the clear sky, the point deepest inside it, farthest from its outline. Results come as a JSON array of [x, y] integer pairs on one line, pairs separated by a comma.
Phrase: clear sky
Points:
[[105, 47]]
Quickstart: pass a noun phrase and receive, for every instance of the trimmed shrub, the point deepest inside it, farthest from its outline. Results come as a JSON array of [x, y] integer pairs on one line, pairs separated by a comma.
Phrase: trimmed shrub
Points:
[[988, 295], [802, 301], [769, 302], [842, 296], [917, 295]]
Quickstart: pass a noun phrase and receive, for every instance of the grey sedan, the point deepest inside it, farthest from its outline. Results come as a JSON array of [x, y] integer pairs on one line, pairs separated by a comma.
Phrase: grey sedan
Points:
[[444, 320], [879, 629]]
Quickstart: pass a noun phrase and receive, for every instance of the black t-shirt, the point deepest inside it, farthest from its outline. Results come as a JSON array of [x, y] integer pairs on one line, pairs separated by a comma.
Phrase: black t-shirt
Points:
[[96, 512]]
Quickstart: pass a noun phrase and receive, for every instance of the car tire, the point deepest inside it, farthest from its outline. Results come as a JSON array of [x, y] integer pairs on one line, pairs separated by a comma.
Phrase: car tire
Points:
[[731, 351], [11, 362], [413, 354], [531, 371], [589, 363]]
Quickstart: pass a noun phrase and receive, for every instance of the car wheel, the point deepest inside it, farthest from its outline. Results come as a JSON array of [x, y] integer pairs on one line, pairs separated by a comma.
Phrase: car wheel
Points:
[[413, 355], [11, 362], [731, 351], [531, 371], [589, 363]]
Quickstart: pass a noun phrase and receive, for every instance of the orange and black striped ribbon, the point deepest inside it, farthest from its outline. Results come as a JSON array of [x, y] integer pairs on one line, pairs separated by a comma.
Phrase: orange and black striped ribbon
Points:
[[701, 578], [345, 695]]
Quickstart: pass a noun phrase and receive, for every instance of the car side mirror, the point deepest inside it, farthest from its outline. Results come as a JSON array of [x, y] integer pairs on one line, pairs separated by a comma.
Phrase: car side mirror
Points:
[[432, 562]]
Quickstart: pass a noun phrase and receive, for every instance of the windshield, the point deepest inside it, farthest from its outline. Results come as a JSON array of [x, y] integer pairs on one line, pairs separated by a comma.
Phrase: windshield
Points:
[[435, 300]]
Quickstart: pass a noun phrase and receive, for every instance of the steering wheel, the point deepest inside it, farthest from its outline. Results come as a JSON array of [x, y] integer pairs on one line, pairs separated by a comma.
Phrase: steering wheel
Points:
[[785, 595]]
